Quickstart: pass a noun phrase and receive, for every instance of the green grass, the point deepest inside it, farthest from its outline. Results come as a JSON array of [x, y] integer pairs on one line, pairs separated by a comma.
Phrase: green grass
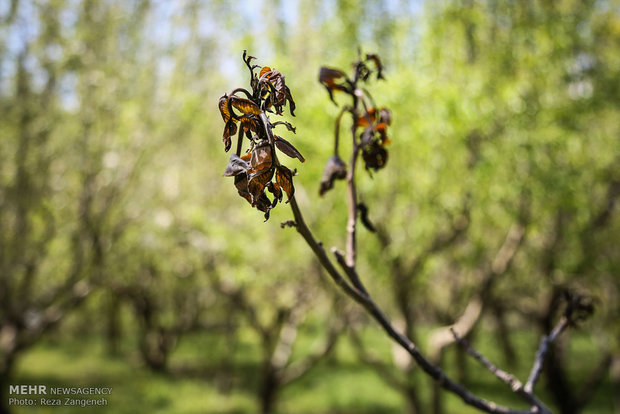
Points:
[[211, 375]]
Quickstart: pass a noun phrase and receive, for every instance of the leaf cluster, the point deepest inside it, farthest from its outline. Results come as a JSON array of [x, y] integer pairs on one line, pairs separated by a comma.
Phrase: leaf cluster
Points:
[[258, 170], [369, 122]]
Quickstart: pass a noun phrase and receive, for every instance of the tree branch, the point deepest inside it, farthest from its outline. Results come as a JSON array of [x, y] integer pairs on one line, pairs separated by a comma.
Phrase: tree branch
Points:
[[542, 353], [372, 308], [515, 385]]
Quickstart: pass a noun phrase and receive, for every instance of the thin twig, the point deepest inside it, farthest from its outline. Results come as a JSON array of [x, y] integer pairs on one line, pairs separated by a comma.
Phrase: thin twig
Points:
[[349, 271], [352, 198], [319, 252], [515, 385], [542, 353]]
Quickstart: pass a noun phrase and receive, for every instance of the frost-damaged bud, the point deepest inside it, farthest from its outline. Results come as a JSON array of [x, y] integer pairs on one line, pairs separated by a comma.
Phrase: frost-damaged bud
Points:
[[370, 123], [258, 171], [374, 155], [374, 138], [335, 169], [579, 307]]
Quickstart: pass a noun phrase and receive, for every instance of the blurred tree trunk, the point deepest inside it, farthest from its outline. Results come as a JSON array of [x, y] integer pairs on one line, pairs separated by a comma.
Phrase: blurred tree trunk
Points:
[[114, 331], [557, 380], [412, 400], [155, 342], [6, 373], [268, 391], [502, 333], [155, 346]]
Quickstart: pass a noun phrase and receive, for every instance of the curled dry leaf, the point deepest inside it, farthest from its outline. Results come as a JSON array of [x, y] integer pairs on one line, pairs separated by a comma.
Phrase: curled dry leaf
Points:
[[276, 191], [230, 128], [241, 183], [334, 80], [257, 184], [335, 169], [254, 172], [275, 92], [223, 106], [261, 159], [286, 124], [363, 210], [385, 116], [382, 131], [377, 61], [236, 166], [261, 171], [367, 135], [284, 179], [374, 136], [264, 70], [288, 148], [264, 204], [374, 155], [258, 199], [246, 106], [367, 118]]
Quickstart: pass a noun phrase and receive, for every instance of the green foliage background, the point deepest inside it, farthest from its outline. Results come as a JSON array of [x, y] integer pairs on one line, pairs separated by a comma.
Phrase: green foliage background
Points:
[[111, 166]]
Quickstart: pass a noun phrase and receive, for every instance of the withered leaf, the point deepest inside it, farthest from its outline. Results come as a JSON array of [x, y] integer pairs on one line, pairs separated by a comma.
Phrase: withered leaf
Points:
[[291, 102], [280, 93], [261, 202], [246, 106], [249, 123], [286, 124], [264, 70], [275, 92], [227, 143], [378, 64], [382, 129], [288, 148], [375, 156], [335, 169], [254, 171], [223, 105], [257, 183], [236, 166], [328, 76], [284, 179], [231, 127], [229, 130], [261, 159], [264, 204], [241, 183], [367, 118], [366, 135], [333, 80], [363, 209], [275, 189], [385, 116]]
